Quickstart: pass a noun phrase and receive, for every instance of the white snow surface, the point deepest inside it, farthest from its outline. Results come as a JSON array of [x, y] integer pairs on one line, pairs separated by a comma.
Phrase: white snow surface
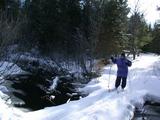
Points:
[[100, 104]]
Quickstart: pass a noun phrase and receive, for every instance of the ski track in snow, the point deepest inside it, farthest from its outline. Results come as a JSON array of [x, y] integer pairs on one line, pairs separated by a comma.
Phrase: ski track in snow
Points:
[[103, 105]]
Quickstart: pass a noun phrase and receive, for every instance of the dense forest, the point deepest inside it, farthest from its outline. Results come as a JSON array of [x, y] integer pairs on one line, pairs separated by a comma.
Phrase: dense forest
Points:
[[77, 30]]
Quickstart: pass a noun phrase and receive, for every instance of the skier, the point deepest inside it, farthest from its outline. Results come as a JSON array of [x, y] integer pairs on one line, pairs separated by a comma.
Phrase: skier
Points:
[[122, 64]]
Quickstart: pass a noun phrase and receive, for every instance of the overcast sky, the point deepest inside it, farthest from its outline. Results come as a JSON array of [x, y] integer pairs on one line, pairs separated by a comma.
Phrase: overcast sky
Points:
[[148, 7]]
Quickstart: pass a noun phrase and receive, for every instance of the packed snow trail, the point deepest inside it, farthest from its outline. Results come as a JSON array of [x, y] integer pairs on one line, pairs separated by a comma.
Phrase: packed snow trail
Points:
[[143, 79]]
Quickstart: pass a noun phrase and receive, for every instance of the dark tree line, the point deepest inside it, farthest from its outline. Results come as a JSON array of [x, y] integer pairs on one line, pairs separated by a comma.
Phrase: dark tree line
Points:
[[154, 44], [77, 30]]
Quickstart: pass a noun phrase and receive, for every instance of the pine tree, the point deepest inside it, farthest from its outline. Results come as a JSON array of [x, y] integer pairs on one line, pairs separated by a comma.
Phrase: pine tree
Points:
[[113, 27], [155, 44], [9, 23], [52, 24], [140, 33], [2, 4], [12, 9]]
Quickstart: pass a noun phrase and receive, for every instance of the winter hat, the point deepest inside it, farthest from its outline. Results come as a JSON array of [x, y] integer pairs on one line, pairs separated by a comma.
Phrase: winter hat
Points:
[[123, 54]]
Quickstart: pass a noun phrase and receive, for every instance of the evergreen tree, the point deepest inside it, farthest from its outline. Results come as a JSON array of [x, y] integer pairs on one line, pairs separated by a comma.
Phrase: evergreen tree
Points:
[[9, 23], [2, 4], [140, 32], [113, 27], [52, 24], [12, 9], [155, 44]]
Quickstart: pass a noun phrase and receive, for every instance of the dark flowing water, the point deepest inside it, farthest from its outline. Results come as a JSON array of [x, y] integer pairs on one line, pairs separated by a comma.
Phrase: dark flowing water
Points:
[[27, 93], [25, 96], [149, 112]]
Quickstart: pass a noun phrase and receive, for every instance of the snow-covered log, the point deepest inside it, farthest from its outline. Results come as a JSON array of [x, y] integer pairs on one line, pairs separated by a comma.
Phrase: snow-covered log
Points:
[[39, 66]]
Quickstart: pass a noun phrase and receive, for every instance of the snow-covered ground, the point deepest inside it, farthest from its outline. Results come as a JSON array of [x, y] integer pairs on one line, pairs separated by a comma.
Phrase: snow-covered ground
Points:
[[143, 79]]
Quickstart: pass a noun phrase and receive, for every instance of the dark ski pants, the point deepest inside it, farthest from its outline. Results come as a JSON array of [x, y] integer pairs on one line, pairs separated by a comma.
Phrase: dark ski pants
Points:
[[118, 82]]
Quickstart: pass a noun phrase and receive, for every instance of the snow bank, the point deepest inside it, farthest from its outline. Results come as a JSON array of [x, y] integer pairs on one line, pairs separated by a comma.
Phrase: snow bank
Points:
[[7, 112]]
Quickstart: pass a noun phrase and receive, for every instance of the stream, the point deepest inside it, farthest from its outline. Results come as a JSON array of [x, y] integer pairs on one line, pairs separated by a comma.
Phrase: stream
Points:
[[27, 93], [149, 112]]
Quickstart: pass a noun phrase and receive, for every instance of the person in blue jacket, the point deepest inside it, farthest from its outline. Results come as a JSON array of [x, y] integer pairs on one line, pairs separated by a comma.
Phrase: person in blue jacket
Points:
[[122, 64]]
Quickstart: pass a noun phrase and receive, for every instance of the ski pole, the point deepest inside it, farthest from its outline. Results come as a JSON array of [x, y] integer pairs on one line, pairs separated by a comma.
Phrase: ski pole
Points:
[[109, 76]]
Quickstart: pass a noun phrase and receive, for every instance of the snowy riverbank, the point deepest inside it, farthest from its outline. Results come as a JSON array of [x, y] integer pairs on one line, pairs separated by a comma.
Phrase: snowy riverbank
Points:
[[143, 79]]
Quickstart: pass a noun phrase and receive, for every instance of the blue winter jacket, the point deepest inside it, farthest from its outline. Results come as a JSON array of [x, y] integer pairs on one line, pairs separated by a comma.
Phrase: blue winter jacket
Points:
[[122, 65]]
